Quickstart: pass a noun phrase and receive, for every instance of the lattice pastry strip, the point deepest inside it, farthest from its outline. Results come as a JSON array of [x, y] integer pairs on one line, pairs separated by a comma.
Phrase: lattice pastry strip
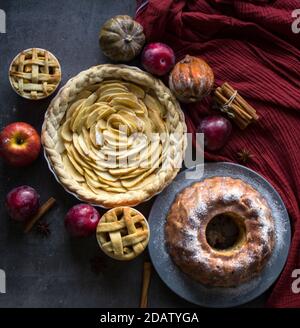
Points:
[[123, 233], [35, 73]]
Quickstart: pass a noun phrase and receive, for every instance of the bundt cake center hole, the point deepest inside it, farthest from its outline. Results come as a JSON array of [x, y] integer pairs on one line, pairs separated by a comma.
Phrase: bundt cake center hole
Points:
[[225, 231]]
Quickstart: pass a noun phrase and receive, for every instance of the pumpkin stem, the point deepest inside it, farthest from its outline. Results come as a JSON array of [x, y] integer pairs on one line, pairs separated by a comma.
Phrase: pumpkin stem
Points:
[[187, 59], [128, 38]]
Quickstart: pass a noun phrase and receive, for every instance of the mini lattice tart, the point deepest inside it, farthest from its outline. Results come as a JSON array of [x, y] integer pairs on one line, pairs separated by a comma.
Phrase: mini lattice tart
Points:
[[114, 135], [123, 233], [35, 73]]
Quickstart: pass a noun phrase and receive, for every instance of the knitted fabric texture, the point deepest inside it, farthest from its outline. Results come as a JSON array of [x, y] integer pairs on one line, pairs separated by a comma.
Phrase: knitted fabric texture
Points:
[[251, 45]]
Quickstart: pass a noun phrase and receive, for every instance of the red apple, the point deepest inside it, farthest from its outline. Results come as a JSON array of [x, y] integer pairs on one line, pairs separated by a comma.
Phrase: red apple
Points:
[[22, 203], [158, 58], [20, 144], [82, 220], [217, 130]]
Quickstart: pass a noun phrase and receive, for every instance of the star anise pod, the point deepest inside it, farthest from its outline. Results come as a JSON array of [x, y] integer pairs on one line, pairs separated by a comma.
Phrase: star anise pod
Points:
[[43, 229], [97, 264], [244, 156]]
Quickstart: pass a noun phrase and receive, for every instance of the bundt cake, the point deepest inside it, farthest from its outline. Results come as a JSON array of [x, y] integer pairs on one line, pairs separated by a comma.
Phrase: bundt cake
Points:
[[220, 232]]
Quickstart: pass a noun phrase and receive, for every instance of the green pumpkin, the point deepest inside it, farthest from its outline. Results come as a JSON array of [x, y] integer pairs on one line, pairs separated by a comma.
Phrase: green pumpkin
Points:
[[121, 38]]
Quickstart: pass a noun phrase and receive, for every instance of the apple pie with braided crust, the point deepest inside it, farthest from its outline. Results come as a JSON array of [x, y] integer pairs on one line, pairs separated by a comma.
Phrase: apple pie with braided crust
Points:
[[114, 135]]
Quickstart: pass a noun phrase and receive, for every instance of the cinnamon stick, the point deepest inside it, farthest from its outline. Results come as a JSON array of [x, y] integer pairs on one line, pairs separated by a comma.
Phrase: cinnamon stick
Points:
[[241, 101], [242, 124], [237, 108], [41, 211], [146, 283], [241, 112], [240, 119]]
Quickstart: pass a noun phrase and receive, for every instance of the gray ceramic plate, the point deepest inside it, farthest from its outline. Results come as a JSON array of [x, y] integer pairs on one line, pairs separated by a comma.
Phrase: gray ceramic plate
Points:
[[189, 289]]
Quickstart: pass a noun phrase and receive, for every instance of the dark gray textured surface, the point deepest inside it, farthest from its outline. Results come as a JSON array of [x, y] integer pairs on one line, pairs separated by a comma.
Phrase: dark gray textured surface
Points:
[[55, 272]]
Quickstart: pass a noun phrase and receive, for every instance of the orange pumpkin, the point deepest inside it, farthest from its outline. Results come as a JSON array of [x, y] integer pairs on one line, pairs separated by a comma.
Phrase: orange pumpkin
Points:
[[191, 79]]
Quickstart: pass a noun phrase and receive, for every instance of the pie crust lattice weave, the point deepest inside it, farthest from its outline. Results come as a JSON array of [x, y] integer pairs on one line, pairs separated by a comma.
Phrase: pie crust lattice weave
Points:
[[123, 233]]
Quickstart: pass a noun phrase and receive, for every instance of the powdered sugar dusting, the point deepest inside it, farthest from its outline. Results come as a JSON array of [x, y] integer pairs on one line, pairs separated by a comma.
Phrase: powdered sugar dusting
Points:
[[233, 194], [198, 212], [193, 246], [206, 194], [266, 223], [281, 226]]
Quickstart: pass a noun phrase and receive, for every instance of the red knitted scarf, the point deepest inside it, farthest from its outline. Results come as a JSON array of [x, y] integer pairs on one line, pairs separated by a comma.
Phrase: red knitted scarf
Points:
[[251, 45]]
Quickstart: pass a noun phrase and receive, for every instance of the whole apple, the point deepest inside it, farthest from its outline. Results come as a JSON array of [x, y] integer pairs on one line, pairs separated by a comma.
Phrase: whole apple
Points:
[[217, 130], [22, 203], [20, 144], [82, 220], [158, 58]]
